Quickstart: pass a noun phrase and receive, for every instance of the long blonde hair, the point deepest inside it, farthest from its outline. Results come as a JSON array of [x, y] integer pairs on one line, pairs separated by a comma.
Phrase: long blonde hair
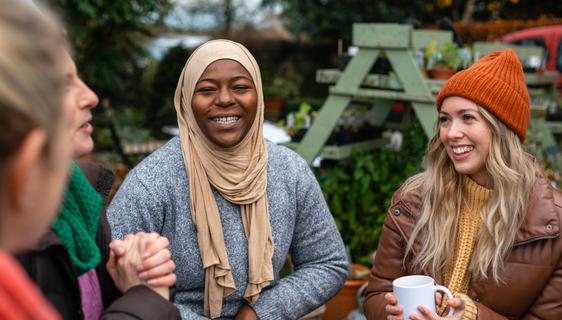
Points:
[[31, 75], [513, 175]]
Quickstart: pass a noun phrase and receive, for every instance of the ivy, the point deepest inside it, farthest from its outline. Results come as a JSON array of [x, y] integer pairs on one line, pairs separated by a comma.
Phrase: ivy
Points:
[[359, 189]]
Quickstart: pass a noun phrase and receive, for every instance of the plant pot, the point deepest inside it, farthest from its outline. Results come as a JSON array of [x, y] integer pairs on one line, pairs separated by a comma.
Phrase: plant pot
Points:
[[442, 73], [345, 301]]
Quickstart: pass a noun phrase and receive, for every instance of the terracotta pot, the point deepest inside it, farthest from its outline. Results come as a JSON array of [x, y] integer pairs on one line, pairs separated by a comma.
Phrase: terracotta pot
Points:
[[440, 73], [346, 300]]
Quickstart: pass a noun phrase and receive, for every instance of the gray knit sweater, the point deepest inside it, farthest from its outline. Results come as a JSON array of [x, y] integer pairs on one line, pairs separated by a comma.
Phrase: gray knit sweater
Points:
[[155, 197]]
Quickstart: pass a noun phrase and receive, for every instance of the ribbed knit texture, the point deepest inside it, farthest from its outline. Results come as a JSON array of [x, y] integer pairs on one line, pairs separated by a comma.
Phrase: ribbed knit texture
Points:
[[455, 275], [470, 309], [77, 222], [495, 82]]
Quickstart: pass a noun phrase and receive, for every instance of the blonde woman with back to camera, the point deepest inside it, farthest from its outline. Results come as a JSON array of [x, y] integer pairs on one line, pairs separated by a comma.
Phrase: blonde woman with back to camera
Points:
[[34, 149], [482, 219]]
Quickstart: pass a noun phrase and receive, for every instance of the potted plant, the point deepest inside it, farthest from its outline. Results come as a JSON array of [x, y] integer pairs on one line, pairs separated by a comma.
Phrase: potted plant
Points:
[[298, 122], [443, 60]]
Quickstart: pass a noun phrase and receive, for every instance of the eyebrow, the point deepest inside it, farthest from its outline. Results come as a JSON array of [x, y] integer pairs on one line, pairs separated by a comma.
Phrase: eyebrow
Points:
[[235, 78], [461, 111]]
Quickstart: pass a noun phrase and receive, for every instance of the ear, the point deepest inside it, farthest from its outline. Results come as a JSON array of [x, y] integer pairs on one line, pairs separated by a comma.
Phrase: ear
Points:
[[22, 166]]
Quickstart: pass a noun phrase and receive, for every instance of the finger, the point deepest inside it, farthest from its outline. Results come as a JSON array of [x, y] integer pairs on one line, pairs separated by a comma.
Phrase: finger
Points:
[[394, 310], [111, 262], [428, 314], [390, 298], [158, 271], [438, 297], [457, 304], [129, 237], [161, 257], [166, 281], [117, 247], [146, 239], [160, 243]]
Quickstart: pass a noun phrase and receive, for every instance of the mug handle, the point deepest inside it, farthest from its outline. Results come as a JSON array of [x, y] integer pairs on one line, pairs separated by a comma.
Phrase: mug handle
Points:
[[447, 292]]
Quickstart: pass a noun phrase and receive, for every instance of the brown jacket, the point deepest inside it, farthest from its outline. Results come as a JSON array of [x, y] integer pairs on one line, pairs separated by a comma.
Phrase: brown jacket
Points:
[[532, 274]]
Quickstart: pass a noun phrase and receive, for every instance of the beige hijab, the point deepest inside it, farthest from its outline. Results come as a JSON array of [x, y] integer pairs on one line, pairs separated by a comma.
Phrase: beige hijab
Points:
[[239, 173]]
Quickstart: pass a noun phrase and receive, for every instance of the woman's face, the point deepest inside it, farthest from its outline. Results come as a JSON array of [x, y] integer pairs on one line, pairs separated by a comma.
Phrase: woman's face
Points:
[[225, 102], [78, 101], [466, 136]]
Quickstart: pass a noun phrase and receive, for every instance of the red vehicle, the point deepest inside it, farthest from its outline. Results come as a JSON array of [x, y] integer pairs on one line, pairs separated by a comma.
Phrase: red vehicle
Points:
[[549, 37]]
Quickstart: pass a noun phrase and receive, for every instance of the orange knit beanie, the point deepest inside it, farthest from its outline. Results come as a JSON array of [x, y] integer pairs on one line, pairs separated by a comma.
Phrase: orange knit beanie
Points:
[[496, 83]]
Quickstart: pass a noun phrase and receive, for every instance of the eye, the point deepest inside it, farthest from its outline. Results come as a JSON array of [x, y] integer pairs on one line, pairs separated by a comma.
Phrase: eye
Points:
[[468, 117], [206, 90], [241, 88], [443, 120]]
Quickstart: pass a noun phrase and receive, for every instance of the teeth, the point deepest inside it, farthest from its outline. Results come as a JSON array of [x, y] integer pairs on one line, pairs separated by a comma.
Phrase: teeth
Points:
[[462, 150], [226, 120]]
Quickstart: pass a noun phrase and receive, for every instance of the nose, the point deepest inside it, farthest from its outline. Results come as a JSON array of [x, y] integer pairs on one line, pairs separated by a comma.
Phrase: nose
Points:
[[455, 130], [88, 98], [225, 97]]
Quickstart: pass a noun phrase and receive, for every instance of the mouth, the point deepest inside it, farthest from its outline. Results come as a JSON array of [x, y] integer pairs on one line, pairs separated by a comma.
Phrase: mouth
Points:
[[461, 152], [225, 120], [86, 127]]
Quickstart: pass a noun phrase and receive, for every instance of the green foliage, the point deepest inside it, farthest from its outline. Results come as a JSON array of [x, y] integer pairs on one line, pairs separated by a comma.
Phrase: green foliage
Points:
[[108, 36], [359, 189], [334, 18], [160, 110], [446, 54]]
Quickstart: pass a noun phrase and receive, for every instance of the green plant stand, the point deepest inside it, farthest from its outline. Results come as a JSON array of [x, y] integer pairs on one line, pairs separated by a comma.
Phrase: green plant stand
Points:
[[407, 83]]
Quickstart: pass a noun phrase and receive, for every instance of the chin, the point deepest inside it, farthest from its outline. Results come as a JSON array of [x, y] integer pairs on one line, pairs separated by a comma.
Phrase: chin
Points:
[[83, 149]]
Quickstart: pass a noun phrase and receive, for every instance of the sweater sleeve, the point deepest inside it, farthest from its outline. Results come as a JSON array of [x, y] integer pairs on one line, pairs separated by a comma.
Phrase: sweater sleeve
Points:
[[135, 208], [141, 302], [317, 252]]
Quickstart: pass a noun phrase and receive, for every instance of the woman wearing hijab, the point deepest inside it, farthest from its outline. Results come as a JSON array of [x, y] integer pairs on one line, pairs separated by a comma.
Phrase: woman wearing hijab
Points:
[[233, 204]]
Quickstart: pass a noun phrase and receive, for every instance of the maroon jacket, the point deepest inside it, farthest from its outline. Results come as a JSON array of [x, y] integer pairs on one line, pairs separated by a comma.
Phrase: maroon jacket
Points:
[[533, 269], [49, 266]]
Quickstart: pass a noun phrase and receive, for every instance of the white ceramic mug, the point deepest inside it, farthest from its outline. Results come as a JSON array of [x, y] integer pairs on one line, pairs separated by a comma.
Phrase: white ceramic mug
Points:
[[414, 291]]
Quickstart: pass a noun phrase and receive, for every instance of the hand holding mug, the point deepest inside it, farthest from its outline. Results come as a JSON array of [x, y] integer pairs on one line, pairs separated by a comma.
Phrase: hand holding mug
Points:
[[416, 293]]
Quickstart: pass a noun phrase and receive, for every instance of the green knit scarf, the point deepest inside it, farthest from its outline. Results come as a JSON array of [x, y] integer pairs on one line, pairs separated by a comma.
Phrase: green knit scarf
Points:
[[77, 222]]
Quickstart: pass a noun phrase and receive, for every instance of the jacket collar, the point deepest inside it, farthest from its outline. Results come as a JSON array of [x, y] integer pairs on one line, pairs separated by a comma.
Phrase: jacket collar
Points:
[[542, 219]]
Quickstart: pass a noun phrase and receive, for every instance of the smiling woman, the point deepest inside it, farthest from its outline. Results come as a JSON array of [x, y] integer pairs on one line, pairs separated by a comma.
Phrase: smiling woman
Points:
[[481, 214], [225, 102], [233, 204]]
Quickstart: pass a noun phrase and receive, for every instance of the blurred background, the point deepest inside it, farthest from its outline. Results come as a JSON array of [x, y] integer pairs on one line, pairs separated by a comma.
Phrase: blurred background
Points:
[[131, 53]]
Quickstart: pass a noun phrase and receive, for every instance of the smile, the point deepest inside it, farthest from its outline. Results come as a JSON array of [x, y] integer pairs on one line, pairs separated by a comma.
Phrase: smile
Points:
[[226, 120], [462, 150]]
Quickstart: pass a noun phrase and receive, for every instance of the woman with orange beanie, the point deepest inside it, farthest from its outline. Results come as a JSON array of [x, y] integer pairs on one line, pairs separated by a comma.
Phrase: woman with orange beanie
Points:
[[482, 219]]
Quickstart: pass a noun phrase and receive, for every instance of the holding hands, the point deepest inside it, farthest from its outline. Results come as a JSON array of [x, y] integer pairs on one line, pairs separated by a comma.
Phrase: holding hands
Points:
[[142, 259]]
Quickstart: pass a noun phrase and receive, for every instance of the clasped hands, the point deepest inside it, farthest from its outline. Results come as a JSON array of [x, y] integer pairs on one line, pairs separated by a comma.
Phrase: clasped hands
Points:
[[142, 259]]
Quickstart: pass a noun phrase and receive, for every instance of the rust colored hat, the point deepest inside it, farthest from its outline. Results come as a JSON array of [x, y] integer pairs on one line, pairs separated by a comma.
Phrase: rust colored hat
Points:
[[496, 83]]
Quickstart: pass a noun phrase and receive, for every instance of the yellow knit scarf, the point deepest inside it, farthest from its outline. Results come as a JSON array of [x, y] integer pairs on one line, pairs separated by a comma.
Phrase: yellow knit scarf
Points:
[[456, 276]]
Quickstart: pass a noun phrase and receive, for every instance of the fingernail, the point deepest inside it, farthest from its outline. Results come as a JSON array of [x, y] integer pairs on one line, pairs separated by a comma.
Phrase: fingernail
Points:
[[151, 282], [120, 250], [143, 275], [146, 254], [140, 268]]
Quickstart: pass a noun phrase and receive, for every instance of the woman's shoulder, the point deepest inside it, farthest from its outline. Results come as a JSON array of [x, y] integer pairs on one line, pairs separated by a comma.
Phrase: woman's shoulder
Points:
[[164, 163], [409, 193], [284, 158]]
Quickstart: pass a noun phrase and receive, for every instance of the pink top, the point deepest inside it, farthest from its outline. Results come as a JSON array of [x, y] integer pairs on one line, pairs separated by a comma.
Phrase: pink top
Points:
[[90, 293]]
